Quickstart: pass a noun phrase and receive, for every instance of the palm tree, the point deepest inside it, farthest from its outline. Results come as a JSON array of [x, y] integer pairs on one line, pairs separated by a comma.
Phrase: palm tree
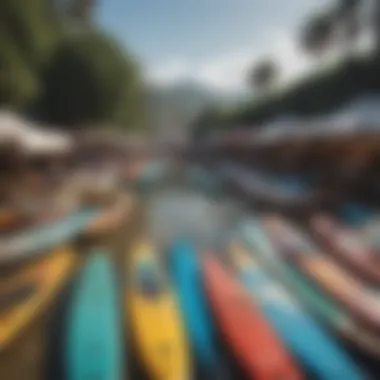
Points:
[[263, 74], [347, 21], [78, 10], [375, 22], [317, 34], [82, 10]]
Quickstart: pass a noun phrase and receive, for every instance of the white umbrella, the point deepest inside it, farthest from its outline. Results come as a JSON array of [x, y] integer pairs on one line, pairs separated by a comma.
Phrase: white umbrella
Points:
[[42, 142], [12, 127]]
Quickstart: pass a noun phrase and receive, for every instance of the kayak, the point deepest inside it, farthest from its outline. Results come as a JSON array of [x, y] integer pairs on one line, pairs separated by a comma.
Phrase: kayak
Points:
[[24, 296], [35, 241], [324, 358], [187, 278], [348, 246], [361, 302], [94, 346], [256, 238], [155, 318], [249, 335]]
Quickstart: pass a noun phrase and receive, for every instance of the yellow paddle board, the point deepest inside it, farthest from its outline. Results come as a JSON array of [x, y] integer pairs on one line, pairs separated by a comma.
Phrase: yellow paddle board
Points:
[[24, 296], [154, 318]]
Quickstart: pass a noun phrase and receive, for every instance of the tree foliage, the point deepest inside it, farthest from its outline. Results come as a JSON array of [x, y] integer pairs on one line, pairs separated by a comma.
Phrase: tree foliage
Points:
[[319, 94], [19, 84], [56, 62], [347, 14], [29, 28], [89, 80], [316, 35], [337, 27], [26, 44], [263, 74]]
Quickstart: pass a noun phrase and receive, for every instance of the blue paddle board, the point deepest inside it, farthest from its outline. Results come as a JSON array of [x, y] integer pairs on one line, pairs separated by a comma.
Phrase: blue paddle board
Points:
[[34, 241], [94, 348], [187, 278]]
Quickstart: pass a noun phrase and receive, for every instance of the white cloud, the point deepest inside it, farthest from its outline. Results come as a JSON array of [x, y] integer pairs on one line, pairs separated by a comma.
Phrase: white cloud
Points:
[[229, 72], [225, 72], [170, 72]]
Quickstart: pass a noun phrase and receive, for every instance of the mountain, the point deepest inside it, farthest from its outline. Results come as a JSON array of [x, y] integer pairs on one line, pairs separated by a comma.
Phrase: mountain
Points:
[[180, 103]]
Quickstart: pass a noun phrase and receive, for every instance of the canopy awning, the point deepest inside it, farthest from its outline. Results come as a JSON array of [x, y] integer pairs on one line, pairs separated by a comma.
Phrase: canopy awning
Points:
[[31, 138]]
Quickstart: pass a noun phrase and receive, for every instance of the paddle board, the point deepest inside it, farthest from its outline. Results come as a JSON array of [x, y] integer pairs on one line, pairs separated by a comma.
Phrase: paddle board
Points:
[[24, 296], [312, 346], [94, 348], [256, 239], [187, 278], [349, 247], [246, 331], [341, 285], [34, 241], [155, 318]]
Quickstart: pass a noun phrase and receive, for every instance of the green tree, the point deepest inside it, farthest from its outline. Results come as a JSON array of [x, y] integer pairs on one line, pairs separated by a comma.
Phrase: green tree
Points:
[[27, 37], [79, 10], [55, 63], [132, 111], [30, 28], [346, 18], [90, 80], [82, 10], [19, 84], [375, 22], [263, 74], [317, 34]]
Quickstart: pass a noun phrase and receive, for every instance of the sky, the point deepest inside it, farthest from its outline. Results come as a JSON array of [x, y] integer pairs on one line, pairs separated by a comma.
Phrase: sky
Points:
[[213, 42]]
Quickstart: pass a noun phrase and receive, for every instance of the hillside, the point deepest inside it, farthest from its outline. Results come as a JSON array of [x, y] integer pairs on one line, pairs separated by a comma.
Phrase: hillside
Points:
[[180, 103]]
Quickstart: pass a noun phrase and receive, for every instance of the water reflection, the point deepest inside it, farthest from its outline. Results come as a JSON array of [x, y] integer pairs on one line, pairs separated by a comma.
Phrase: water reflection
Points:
[[179, 212]]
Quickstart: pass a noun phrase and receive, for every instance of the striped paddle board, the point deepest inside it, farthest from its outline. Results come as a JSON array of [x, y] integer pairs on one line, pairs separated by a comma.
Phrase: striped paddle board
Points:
[[318, 353]]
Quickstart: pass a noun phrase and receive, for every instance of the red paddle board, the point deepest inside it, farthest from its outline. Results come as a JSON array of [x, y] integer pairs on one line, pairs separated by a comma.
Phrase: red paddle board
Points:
[[248, 334]]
